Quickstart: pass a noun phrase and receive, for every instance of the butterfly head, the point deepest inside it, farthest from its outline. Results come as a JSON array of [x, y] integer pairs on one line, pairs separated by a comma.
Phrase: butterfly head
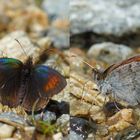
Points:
[[97, 75]]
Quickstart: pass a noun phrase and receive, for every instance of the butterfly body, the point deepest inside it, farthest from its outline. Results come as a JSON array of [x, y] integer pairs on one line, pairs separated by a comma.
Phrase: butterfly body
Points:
[[25, 83], [122, 80]]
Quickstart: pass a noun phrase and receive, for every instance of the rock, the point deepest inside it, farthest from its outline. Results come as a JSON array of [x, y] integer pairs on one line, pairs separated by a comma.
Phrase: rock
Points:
[[6, 131], [124, 114], [64, 119], [11, 116], [119, 126], [59, 29], [128, 134], [49, 116], [58, 136], [75, 58], [29, 130], [79, 108], [35, 20], [59, 36], [121, 120], [116, 17], [102, 130], [109, 52], [82, 127], [84, 109], [11, 48], [74, 136], [97, 115], [46, 116], [64, 123], [91, 136], [56, 8], [84, 88]]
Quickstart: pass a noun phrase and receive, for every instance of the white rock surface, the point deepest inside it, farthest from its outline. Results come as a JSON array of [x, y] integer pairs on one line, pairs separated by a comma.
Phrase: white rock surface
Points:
[[115, 17]]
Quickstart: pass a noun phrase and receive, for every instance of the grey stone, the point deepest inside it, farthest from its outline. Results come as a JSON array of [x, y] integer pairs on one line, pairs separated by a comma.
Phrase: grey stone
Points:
[[6, 131], [56, 8], [59, 37], [63, 119], [109, 52], [115, 17], [46, 116], [11, 116], [74, 136]]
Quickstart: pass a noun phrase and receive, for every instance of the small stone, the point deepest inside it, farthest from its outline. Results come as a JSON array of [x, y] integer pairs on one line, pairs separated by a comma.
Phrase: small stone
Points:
[[74, 136], [64, 123], [102, 130], [58, 136], [124, 114], [82, 127], [56, 8], [46, 116], [97, 115], [64, 119], [128, 134], [11, 116], [49, 116], [29, 130], [109, 52], [83, 88], [121, 120], [6, 131], [119, 126], [60, 37]]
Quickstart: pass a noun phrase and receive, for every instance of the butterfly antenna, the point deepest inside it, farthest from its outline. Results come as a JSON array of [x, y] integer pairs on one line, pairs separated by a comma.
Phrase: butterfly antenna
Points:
[[83, 88], [21, 47], [93, 68]]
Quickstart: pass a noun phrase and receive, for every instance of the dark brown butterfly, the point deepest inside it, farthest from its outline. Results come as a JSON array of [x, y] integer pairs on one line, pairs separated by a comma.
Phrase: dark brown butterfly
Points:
[[122, 80], [24, 83]]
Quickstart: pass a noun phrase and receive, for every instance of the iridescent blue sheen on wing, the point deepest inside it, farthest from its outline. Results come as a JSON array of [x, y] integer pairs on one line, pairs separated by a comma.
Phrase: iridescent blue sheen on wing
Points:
[[51, 81], [10, 63], [43, 70]]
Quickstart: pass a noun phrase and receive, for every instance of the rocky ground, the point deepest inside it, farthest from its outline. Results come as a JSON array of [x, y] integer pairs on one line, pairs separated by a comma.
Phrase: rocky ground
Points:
[[102, 33], [86, 34]]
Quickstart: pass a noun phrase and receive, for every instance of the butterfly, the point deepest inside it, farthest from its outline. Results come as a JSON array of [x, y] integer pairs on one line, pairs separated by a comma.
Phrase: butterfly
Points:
[[122, 80], [25, 83]]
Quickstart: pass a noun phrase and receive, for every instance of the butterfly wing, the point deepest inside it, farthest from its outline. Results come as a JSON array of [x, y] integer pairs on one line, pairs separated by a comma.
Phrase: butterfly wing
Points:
[[125, 82], [43, 84], [10, 70]]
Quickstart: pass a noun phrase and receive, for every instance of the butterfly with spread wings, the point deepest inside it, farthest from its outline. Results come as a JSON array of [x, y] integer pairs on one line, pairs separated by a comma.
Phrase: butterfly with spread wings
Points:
[[25, 83]]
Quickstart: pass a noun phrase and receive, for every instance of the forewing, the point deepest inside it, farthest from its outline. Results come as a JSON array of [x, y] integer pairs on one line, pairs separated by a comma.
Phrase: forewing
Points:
[[125, 82], [10, 71], [44, 83]]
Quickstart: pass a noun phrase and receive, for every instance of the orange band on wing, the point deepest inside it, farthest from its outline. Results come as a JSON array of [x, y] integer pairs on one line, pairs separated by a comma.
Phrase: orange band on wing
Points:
[[52, 82]]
